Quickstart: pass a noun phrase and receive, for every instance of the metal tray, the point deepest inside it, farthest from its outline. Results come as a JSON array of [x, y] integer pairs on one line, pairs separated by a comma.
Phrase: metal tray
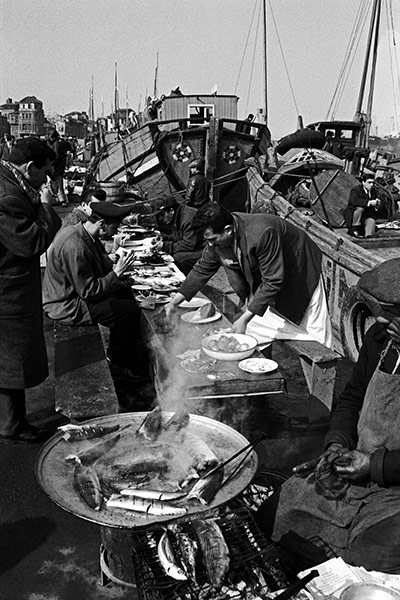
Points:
[[55, 475]]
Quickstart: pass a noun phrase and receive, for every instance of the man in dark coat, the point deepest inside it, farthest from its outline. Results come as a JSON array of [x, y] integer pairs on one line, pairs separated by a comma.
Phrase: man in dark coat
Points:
[[198, 188], [81, 286], [61, 147], [361, 212], [268, 261], [183, 243], [27, 227], [348, 499]]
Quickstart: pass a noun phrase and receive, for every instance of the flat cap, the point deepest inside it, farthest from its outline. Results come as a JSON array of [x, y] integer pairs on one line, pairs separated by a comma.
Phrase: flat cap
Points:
[[162, 204], [109, 210], [383, 282]]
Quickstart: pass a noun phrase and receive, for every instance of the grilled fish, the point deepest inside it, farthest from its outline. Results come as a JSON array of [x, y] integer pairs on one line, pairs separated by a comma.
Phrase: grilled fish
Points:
[[144, 505], [89, 456], [151, 426], [75, 433], [87, 484], [168, 560], [178, 421], [200, 453], [153, 494], [187, 550], [205, 488], [215, 552]]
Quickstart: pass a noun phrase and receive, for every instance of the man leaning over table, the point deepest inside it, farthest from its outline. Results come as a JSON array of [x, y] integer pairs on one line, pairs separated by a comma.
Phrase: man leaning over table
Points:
[[82, 286], [268, 262]]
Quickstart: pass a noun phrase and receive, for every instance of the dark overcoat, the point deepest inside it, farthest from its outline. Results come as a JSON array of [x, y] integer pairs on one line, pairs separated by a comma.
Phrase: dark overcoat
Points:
[[279, 265], [26, 231]]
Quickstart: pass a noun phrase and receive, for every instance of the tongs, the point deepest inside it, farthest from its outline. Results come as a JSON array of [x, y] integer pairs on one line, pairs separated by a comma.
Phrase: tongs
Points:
[[248, 449]]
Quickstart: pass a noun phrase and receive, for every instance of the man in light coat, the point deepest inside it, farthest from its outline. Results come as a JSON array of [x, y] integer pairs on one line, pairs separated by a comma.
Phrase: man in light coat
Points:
[[28, 225]]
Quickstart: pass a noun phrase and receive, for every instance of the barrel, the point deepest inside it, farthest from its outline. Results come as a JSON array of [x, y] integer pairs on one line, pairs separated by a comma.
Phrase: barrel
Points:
[[113, 189]]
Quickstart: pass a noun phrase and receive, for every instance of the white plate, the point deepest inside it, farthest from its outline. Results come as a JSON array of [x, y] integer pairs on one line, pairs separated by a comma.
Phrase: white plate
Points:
[[194, 303], [139, 287], [258, 365], [190, 317]]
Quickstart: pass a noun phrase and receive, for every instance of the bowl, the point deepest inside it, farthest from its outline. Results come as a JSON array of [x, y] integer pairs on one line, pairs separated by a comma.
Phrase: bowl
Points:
[[240, 338], [369, 591]]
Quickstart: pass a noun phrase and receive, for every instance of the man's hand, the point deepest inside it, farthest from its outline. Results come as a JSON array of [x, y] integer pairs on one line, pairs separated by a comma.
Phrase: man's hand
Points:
[[240, 325], [393, 330], [308, 467], [170, 308], [124, 263], [356, 465]]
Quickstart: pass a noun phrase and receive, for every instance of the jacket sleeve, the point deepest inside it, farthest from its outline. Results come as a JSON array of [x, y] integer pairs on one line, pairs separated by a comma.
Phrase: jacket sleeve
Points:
[[269, 255], [203, 270], [27, 230], [358, 199], [78, 268], [343, 428]]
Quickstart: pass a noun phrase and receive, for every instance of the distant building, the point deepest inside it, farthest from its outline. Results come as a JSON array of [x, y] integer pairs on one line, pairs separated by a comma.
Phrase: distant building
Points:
[[30, 117], [10, 110]]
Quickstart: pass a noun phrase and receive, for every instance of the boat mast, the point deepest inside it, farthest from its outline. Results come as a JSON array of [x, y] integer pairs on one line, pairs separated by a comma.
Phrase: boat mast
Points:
[[373, 31], [116, 102], [265, 63], [155, 79]]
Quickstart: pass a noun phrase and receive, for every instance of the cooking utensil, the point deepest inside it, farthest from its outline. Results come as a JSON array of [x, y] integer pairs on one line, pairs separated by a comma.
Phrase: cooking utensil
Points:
[[54, 474], [295, 587], [239, 338]]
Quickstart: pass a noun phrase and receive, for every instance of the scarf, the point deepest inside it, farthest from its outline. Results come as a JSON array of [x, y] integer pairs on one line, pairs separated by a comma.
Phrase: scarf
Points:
[[22, 182]]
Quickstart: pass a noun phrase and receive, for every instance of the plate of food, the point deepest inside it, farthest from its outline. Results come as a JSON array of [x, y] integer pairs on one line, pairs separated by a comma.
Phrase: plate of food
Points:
[[194, 303], [164, 288], [141, 287], [259, 366], [205, 314], [195, 365]]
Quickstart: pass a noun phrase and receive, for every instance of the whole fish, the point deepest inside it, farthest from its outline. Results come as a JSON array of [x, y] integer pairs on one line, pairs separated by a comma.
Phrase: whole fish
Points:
[[143, 505], [202, 457], [205, 488], [89, 456], [145, 464], [151, 426], [215, 552], [178, 421], [87, 484], [167, 559], [75, 433], [187, 550], [163, 496]]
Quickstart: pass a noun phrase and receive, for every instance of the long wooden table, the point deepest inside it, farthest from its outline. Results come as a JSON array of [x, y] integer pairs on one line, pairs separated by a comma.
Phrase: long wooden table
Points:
[[244, 401]]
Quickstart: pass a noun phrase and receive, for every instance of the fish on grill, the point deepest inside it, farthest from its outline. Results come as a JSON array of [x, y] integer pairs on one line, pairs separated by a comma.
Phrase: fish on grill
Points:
[[164, 496], [178, 421], [214, 550], [168, 560], [202, 457], [151, 425], [87, 484], [187, 550], [75, 433], [144, 505]]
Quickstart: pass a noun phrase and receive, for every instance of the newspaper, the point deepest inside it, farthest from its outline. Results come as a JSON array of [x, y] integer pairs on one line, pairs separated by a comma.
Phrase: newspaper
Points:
[[335, 575]]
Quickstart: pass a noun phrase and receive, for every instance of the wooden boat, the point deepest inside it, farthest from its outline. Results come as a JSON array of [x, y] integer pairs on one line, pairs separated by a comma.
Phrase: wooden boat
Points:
[[154, 158]]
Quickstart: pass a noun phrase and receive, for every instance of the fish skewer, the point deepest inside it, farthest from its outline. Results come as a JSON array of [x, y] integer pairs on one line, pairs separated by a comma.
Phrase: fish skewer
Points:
[[153, 494], [144, 505]]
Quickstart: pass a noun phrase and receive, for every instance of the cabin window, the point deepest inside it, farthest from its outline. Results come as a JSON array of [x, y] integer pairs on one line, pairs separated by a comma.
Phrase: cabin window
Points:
[[346, 134], [199, 114]]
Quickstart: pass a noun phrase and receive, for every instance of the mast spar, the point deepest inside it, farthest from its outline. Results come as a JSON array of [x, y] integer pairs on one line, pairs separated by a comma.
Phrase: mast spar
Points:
[[265, 63]]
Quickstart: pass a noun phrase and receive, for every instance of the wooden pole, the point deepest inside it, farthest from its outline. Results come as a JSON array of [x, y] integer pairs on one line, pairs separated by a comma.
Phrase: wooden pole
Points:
[[265, 64]]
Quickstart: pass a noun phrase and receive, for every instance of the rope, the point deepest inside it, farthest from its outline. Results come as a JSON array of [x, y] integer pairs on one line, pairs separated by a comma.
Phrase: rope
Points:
[[393, 70], [253, 59], [245, 47]]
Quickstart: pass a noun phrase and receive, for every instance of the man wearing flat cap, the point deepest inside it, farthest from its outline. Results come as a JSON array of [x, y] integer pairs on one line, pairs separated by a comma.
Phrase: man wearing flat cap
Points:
[[82, 286], [349, 497], [183, 243]]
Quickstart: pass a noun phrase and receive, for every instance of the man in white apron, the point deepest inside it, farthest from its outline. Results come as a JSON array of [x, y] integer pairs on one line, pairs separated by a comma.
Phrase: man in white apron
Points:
[[348, 500]]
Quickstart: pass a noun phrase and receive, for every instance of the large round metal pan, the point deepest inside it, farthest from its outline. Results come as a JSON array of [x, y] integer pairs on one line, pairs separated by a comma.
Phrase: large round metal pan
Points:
[[55, 475]]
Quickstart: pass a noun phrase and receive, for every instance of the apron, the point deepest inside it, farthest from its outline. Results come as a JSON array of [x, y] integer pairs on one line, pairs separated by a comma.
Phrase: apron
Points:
[[338, 522]]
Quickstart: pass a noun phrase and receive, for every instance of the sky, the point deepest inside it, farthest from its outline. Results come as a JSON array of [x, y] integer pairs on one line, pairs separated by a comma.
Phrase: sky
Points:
[[53, 49]]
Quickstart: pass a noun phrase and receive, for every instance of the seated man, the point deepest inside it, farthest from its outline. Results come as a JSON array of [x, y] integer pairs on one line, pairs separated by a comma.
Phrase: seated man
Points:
[[81, 286], [361, 212], [183, 243], [81, 213], [349, 498]]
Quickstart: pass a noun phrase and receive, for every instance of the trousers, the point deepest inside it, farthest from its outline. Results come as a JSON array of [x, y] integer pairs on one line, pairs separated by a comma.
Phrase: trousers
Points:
[[12, 410]]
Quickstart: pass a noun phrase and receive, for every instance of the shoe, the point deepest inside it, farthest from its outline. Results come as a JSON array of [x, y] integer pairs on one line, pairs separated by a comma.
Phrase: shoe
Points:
[[355, 232], [29, 434], [125, 373]]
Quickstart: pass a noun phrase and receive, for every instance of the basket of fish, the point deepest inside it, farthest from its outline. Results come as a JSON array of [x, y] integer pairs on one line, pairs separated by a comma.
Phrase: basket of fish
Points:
[[134, 470]]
